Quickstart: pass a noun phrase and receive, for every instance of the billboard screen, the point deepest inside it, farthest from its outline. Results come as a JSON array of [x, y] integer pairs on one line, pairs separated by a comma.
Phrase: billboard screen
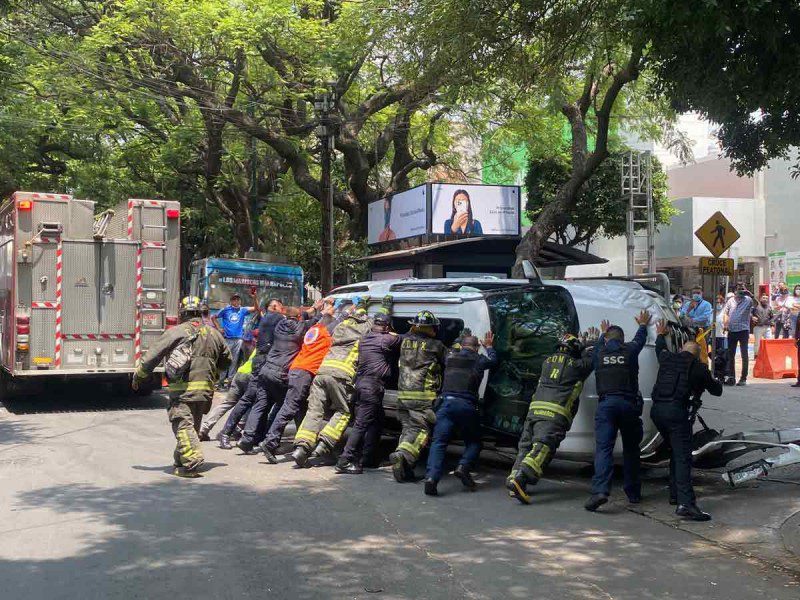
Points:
[[400, 216], [460, 209]]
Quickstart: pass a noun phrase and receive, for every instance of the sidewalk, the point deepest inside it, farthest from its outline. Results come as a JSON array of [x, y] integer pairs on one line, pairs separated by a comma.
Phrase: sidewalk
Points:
[[760, 519]]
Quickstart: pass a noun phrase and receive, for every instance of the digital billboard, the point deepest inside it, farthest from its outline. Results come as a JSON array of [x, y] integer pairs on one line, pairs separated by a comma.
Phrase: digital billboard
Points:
[[399, 216], [460, 209]]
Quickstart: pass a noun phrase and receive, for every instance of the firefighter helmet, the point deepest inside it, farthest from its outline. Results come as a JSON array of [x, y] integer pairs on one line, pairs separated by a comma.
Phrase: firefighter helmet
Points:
[[190, 307], [425, 317], [383, 320], [570, 344]]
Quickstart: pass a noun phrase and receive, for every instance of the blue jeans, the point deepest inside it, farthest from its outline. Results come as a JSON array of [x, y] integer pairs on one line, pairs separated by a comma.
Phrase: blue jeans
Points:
[[235, 346], [617, 414], [463, 414]]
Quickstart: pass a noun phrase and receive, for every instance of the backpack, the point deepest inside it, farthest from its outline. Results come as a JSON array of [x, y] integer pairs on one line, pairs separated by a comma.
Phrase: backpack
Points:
[[177, 365]]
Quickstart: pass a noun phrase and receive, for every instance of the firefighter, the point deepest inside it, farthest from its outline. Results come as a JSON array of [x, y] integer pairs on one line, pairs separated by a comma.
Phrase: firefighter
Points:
[[377, 352], [463, 374], [333, 387], [421, 364], [553, 407], [304, 367], [189, 397], [681, 376], [619, 410]]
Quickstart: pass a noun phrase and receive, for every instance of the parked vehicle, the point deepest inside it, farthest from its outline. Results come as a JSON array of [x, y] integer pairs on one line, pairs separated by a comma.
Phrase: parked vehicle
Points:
[[214, 280], [83, 295], [528, 317]]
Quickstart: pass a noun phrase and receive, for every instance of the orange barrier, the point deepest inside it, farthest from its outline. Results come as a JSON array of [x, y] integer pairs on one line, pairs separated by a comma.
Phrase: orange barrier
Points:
[[776, 359]]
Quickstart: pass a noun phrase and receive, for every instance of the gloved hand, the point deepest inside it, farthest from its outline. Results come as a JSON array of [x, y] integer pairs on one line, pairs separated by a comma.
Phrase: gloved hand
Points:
[[361, 302], [387, 301]]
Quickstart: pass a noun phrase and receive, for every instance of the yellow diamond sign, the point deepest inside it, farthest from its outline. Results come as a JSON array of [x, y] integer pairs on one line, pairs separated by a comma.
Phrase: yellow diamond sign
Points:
[[717, 234]]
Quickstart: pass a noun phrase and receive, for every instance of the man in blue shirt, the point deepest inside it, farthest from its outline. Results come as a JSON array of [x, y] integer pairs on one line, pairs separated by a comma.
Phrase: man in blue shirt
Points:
[[230, 320], [699, 311], [619, 409]]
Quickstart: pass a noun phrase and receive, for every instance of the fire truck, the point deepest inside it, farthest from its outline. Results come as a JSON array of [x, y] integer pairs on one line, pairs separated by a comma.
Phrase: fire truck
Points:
[[83, 294]]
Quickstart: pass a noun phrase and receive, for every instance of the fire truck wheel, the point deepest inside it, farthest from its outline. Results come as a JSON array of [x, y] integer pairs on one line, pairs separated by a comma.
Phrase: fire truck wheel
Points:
[[8, 388]]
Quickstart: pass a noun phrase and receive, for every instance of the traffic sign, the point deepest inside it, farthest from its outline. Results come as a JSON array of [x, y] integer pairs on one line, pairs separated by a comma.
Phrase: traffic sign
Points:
[[716, 266], [717, 234]]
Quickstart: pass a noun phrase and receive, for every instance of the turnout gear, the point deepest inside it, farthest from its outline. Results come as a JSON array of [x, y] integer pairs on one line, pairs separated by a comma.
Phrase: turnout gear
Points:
[[571, 345], [420, 378], [189, 397], [333, 385], [553, 407], [425, 318]]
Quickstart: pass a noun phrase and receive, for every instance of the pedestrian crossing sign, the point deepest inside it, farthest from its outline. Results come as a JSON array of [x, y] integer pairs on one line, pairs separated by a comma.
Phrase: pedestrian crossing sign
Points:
[[717, 234]]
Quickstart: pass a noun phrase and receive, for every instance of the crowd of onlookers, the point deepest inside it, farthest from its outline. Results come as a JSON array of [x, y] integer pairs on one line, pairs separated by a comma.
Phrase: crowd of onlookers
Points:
[[739, 315]]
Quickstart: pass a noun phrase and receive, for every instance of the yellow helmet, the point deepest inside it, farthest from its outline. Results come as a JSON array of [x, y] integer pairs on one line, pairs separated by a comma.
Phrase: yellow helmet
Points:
[[190, 302]]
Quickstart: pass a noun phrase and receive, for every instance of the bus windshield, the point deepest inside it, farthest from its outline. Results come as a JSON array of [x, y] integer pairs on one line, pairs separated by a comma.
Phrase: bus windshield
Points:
[[223, 284]]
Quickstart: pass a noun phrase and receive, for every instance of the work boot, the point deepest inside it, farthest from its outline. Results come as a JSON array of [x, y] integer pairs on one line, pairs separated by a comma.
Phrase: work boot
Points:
[[634, 499], [430, 488], [203, 435], [320, 451], [595, 502], [271, 458], [796, 384], [348, 468], [729, 381], [462, 473], [224, 441], [692, 512], [399, 466], [300, 456], [673, 501], [186, 473], [237, 434], [246, 447], [742, 382], [516, 488]]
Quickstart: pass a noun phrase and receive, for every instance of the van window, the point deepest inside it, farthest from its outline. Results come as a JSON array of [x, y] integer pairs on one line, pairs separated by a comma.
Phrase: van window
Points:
[[527, 325]]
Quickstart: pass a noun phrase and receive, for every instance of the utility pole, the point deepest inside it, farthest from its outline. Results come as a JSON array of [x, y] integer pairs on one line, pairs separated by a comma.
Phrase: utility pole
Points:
[[323, 105]]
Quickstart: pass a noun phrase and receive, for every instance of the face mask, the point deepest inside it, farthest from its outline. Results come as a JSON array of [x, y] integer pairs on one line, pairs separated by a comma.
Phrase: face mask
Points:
[[461, 206], [697, 297], [720, 305], [677, 305]]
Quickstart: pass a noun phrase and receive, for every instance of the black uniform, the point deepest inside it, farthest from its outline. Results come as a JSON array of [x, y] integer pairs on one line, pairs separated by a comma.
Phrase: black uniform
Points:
[[268, 387], [680, 376], [553, 407], [377, 351]]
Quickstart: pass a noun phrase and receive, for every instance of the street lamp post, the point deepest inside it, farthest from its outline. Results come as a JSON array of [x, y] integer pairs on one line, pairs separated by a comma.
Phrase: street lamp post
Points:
[[323, 105]]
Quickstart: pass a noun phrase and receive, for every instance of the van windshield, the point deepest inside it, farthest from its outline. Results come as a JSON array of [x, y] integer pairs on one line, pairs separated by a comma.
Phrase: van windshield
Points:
[[527, 325]]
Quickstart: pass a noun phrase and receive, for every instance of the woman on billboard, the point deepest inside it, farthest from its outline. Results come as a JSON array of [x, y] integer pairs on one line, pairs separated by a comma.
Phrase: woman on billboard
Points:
[[387, 235], [461, 221]]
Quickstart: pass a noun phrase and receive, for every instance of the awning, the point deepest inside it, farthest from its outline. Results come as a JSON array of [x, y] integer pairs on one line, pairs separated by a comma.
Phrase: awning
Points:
[[552, 254]]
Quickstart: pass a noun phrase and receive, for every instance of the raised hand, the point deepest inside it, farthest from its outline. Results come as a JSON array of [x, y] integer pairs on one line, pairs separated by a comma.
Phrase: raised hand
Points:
[[643, 318], [662, 328], [488, 340], [604, 325]]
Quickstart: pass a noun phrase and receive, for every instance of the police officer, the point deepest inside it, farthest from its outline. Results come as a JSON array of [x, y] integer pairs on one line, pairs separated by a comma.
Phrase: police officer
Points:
[[421, 364], [333, 387], [190, 397], [377, 352], [619, 409], [681, 376], [554, 405], [463, 374]]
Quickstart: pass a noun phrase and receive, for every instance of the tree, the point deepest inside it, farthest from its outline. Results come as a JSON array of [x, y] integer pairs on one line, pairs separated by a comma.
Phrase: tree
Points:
[[600, 209], [735, 62]]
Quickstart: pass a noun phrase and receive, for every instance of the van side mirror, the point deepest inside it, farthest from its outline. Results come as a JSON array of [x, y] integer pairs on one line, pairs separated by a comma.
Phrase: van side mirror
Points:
[[530, 271]]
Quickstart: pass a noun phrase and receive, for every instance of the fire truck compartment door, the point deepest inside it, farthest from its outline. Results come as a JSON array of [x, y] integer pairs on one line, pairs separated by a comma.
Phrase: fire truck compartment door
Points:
[[80, 298], [117, 288]]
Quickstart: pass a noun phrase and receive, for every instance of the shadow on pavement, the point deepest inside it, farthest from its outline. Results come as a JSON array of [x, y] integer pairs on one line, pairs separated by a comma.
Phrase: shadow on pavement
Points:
[[82, 397], [317, 537], [16, 432]]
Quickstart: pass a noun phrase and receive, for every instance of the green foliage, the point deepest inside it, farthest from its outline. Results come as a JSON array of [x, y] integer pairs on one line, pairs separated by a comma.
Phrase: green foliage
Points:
[[735, 62], [600, 209]]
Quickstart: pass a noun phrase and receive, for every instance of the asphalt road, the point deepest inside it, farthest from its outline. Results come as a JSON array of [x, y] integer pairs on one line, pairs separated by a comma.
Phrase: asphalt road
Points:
[[88, 510]]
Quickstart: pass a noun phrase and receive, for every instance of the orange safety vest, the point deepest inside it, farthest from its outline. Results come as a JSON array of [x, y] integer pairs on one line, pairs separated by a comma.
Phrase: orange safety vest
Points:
[[316, 344]]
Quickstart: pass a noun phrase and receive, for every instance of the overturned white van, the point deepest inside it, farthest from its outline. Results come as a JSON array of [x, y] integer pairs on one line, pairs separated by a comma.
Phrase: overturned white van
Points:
[[527, 318]]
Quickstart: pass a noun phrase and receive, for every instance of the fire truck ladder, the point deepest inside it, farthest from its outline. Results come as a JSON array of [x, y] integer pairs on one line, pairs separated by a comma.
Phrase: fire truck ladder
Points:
[[157, 247], [637, 188]]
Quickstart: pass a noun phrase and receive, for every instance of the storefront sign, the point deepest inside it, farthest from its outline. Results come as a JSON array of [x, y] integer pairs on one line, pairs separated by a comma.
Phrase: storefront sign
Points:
[[716, 266]]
